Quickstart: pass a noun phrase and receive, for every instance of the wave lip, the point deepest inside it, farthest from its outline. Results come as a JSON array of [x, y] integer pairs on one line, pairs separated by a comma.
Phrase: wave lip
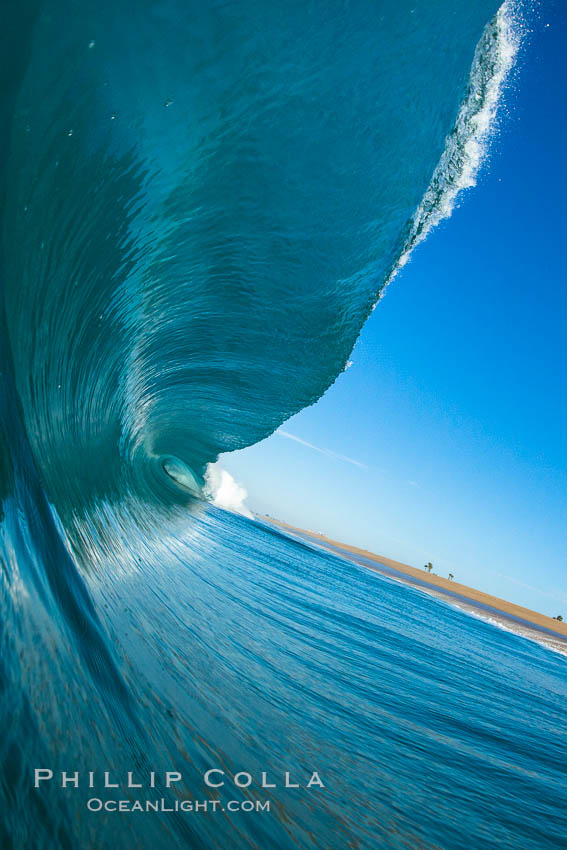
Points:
[[199, 243], [468, 143]]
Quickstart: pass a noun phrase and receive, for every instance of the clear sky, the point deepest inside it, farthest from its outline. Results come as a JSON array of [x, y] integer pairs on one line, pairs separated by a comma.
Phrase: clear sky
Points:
[[446, 439]]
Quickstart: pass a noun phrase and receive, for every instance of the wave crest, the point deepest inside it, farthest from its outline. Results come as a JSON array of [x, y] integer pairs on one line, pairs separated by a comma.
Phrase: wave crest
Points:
[[468, 143]]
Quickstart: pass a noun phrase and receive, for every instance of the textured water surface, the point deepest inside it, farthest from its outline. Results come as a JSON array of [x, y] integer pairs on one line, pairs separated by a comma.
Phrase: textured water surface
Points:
[[201, 204]]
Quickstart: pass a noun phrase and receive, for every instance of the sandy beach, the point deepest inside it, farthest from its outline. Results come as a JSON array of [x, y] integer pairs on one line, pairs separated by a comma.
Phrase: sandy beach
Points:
[[500, 608]]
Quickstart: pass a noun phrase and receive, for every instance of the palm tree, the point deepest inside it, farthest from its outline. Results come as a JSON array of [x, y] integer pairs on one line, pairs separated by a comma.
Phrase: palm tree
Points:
[[451, 576], [428, 567]]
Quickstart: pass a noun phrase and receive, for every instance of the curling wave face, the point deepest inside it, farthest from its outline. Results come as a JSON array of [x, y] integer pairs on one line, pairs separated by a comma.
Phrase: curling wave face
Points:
[[201, 204]]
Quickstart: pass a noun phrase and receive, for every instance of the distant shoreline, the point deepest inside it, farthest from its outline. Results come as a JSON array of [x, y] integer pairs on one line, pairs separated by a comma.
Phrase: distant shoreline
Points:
[[480, 602]]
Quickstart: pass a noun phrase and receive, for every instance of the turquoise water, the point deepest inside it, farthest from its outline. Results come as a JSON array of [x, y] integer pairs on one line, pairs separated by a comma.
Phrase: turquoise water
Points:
[[237, 648], [200, 208]]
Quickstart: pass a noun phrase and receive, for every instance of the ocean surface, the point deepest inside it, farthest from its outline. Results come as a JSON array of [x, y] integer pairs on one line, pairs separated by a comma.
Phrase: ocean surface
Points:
[[229, 645], [201, 204], [546, 636]]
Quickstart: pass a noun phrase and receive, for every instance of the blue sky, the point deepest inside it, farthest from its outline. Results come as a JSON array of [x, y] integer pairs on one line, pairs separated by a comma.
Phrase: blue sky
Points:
[[445, 440]]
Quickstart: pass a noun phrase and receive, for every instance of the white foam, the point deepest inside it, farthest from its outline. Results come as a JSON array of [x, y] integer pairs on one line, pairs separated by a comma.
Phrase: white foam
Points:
[[545, 639], [468, 143], [224, 491]]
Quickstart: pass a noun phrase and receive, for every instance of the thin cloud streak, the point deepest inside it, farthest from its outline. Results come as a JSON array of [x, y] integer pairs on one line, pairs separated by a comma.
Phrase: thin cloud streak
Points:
[[326, 452], [554, 594]]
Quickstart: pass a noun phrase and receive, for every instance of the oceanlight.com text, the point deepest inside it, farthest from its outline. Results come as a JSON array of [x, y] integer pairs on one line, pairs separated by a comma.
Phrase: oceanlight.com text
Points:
[[95, 804]]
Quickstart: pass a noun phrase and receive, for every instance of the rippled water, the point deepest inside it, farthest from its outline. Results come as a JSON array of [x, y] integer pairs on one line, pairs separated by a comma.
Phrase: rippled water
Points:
[[243, 650]]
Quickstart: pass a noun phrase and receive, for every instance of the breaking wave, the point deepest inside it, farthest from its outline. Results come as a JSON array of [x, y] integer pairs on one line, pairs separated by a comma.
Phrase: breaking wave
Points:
[[201, 205], [468, 143]]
